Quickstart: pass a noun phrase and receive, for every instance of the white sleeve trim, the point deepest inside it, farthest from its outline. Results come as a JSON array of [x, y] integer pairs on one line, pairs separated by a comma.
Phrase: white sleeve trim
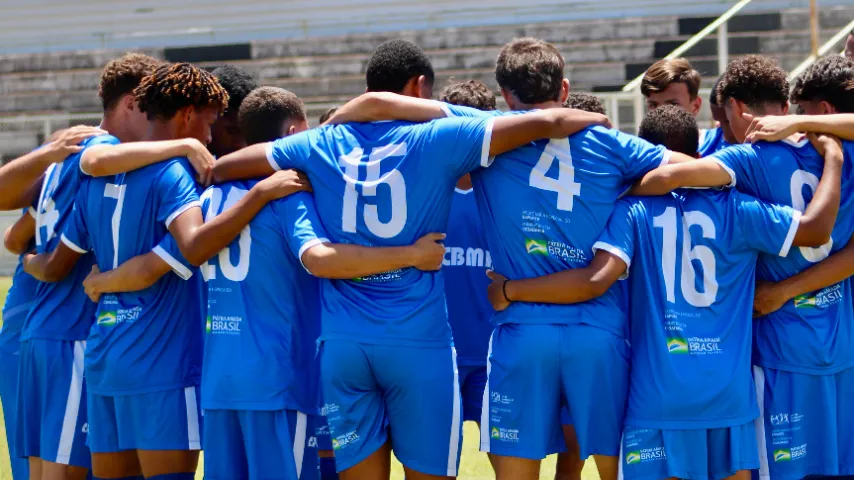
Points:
[[728, 170], [485, 159], [790, 237], [177, 267], [68, 243], [665, 159], [269, 151], [306, 246], [607, 247], [32, 212], [184, 208], [446, 109]]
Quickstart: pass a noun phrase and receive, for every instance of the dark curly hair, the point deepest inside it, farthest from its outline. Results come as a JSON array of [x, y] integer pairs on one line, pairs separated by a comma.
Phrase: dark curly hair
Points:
[[673, 127], [265, 110], [584, 101], [173, 87], [328, 114], [531, 69], [394, 63], [754, 80], [831, 80], [237, 82], [122, 75], [471, 93]]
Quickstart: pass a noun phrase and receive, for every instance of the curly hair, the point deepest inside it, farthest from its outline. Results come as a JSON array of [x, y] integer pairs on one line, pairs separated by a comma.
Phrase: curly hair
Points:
[[664, 73], [394, 63], [328, 114], [471, 93], [673, 127], [754, 80], [265, 110], [584, 101], [531, 69], [122, 75], [173, 87], [831, 80], [237, 82]]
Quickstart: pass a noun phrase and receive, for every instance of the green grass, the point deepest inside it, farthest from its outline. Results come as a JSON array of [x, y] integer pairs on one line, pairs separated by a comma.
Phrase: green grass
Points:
[[474, 464]]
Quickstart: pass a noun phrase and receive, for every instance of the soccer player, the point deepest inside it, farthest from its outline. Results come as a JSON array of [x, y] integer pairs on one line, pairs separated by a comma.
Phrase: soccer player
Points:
[[803, 353], [672, 82], [693, 255], [386, 357], [226, 136], [584, 101], [18, 239], [849, 45], [720, 137]]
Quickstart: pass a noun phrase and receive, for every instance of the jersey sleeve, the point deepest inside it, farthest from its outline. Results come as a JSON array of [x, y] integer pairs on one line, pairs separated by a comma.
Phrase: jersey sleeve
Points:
[[460, 111], [76, 233], [739, 161], [177, 192], [464, 142], [618, 239], [765, 226], [99, 140], [169, 252], [635, 156], [291, 151], [300, 223]]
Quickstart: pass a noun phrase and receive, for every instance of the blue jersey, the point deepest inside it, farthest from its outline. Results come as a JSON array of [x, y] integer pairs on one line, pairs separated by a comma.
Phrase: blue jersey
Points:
[[385, 184], [19, 300], [464, 266], [711, 141], [149, 340], [263, 319], [692, 257], [814, 333], [544, 205], [61, 310]]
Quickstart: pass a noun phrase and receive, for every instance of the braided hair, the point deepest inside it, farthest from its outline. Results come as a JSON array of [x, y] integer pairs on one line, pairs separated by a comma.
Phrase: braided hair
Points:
[[173, 87]]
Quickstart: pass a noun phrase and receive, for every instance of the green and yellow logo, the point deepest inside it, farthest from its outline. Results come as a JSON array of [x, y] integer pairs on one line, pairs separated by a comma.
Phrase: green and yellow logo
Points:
[[805, 301], [495, 433], [107, 319], [536, 247], [208, 325], [632, 458], [677, 345], [782, 455], [335, 445]]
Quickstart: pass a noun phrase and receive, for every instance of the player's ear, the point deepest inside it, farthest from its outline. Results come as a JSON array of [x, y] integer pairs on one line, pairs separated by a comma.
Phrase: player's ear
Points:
[[827, 109], [786, 108], [509, 98], [129, 102], [564, 90], [696, 105]]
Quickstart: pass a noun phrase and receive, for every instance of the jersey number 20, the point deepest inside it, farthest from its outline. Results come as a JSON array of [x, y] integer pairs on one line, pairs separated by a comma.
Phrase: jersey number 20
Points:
[[235, 273], [703, 254]]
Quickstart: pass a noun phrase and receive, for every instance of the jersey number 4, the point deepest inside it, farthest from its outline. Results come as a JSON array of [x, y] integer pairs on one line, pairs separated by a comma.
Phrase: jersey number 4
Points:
[[703, 254], [565, 185]]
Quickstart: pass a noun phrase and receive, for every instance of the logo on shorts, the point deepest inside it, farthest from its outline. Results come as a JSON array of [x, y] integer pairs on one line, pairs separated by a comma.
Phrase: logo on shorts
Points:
[[536, 247], [677, 345], [632, 458], [782, 455], [108, 319]]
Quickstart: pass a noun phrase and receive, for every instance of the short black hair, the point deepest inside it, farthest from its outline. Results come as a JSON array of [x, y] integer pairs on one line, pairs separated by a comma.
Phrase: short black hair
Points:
[[713, 97], [265, 110], [584, 101], [754, 80], [471, 93], [328, 113], [122, 75], [531, 69], [173, 87], [394, 63], [673, 127], [831, 80], [237, 82]]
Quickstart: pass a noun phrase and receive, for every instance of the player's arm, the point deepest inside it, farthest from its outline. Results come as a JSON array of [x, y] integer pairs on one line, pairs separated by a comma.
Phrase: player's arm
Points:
[[379, 106], [682, 171], [20, 178], [105, 160], [136, 274], [18, 237], [773, 128], [244, 164], [569, 286], [817, 221], [199, 240], [52, 266], [513, 131], [344, 261]]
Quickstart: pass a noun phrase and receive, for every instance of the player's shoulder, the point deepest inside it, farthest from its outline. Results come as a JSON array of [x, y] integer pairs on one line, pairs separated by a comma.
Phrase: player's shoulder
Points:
[[101, 140], [462, 111]]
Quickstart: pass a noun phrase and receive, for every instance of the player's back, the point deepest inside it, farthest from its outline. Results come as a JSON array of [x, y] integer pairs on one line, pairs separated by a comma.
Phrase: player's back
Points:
[[148, 340], [261, 326], [814, 333], [692, 258], [385, 184], [61, 310]]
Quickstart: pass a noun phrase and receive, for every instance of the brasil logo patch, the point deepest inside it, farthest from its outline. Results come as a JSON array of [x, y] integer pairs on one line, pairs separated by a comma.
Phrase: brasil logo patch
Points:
[[632, 458], [107, 319], [677, 345], [208, 325], [536, 247], [495, 433], [782, 455], [805, 301]]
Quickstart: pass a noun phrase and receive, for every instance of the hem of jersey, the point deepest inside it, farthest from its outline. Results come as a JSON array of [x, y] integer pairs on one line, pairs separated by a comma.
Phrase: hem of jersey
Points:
[[514, 452], [172, 216], [246, 406], [182, 271], [691, 424], [617, 252], [551, 320], [790, 236], [402, 342], [307, 245], [730, 171], [68, 243], [463, 192], [53, 337], [108, 392], [268, 151], [817, 372], [471, 361], [485, 159]]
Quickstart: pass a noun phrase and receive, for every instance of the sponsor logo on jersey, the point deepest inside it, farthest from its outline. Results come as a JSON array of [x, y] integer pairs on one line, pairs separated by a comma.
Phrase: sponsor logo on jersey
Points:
[[677, 345], [779, 419], [804, 301], [536, 247], [111, 318], [821, 299], [782, 455], [504, 434], [223, 325], [208, 324], [108, 319], [551, 248], [466, 257], [343, 440], [632, 458], [495, 433]]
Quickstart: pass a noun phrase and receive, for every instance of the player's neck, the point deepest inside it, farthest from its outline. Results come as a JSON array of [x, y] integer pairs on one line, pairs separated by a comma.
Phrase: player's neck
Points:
[[161, 131], [537, 106], [117, 128]]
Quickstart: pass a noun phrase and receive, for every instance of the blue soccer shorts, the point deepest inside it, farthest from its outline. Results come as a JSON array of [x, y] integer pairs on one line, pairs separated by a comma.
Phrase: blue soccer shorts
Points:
[[535, 370], [51, 406], [472, 385], [700, 454], [167, 420], [806, 423], [371, 390], [9, 397]]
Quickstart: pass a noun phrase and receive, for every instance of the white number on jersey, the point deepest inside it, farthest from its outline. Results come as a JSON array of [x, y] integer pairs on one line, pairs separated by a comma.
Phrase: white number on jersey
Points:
[[350, 164], [799, 179], [565, 186], [701, 253], [47, 215], [117, 192], [235, 273]]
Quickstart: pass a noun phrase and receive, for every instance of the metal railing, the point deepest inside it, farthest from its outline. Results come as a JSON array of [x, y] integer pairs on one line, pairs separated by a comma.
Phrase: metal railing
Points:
[[822, 51]]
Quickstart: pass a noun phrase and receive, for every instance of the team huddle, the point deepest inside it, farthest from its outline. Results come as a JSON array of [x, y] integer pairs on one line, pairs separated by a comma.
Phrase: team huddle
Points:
[[203, 271]]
